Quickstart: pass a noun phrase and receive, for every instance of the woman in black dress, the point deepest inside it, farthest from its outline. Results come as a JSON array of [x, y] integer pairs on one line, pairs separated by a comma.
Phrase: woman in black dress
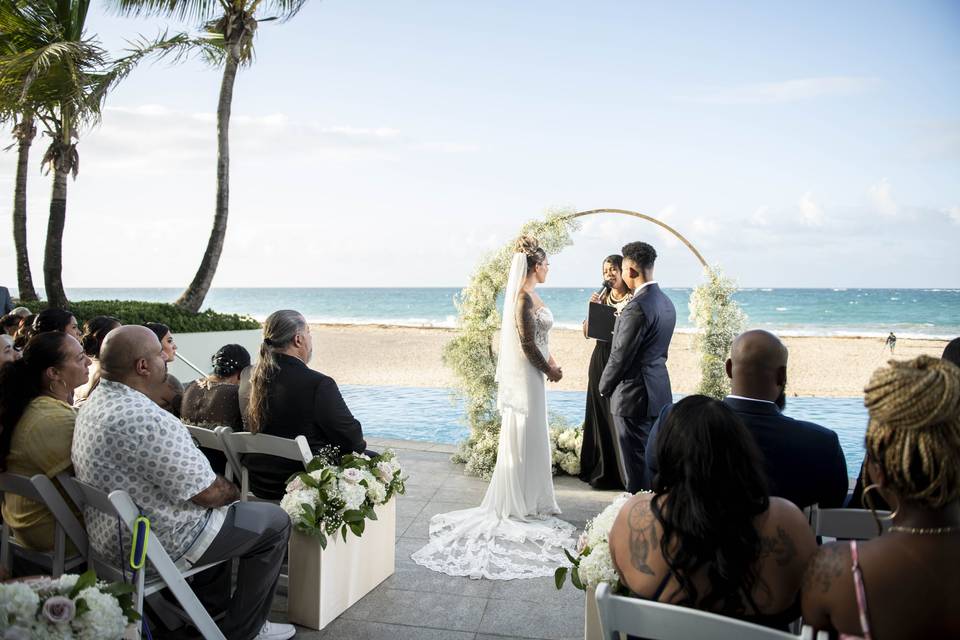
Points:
[[599, 459]]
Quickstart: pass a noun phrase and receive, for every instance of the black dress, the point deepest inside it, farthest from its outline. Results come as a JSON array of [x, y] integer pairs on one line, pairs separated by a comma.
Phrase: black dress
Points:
[[599, 454]]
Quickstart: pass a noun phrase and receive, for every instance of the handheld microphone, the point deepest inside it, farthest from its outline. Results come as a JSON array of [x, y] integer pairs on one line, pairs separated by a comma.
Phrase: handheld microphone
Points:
[[603, 288]]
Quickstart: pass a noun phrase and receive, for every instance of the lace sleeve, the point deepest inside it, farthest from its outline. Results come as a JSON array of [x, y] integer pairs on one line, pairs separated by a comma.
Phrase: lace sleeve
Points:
[[527, 327]]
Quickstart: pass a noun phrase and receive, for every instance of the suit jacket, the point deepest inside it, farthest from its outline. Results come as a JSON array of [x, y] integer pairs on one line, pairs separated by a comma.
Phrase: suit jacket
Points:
[[6, 302], [635, 378], [804, 462], [301, 401]]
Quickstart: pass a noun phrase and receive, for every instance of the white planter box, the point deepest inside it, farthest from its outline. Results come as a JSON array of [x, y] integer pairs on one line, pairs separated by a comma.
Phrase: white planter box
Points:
[[326, 582]]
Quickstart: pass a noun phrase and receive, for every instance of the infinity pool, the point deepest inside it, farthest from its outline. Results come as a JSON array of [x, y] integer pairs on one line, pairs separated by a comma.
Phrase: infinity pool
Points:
[[436, 415]]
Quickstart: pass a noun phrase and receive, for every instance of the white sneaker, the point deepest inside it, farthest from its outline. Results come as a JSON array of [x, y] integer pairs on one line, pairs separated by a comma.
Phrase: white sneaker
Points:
[[276, 631]]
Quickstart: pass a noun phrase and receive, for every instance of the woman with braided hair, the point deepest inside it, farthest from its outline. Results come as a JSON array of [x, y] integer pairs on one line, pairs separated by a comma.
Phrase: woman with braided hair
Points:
[[904, 584]]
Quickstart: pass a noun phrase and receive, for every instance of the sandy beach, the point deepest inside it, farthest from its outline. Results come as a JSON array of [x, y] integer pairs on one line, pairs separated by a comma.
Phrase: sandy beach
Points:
[[411, 357]]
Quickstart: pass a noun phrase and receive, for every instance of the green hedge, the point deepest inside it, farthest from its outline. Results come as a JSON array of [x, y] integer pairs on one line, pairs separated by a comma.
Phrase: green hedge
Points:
[[134, 312]]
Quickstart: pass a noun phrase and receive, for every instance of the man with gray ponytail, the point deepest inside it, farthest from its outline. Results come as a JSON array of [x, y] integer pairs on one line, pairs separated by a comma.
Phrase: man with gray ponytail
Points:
[[287, 399]]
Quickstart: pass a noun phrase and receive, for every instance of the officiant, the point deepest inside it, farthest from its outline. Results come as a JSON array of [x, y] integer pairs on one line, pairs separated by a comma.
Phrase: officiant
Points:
[[599, 457]]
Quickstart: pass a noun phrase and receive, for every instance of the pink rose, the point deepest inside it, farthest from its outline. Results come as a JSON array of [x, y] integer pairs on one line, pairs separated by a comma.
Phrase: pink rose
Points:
[[59, 609]]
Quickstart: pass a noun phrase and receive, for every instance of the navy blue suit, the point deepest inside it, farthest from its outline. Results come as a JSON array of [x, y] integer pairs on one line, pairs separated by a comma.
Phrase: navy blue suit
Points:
[[6, 303], [636, 378], [804, 461]]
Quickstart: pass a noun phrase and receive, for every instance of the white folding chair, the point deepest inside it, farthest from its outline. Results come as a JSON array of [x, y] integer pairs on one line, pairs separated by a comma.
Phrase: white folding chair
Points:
[[120, 504], [661, 621], [213, 439], [846, 524], [241, 444], [41, 489]]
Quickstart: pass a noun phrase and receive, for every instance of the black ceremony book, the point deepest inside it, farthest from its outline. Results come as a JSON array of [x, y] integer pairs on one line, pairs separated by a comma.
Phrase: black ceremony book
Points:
[[600, 321]]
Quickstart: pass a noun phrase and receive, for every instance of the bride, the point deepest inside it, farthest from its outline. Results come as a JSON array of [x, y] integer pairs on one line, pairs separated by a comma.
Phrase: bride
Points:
[[512, 534]]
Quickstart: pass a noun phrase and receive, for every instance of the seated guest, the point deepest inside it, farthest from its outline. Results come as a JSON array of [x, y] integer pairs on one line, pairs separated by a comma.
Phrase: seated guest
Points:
[[951, 353], [124, 440], [289, 399], [21, 312], [36, 425], [214, 401], [803, 461], [8, 352], [709, 536], [94, 331], [56, 320], [173, 394], [24, 332], [9, 324], [903, 584]]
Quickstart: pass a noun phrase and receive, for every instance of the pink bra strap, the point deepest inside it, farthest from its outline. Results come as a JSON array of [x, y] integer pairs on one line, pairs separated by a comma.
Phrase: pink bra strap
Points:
[[861, 592]]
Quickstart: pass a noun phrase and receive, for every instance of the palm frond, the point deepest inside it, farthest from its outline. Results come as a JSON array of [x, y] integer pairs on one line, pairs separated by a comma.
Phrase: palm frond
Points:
[[183, 10]]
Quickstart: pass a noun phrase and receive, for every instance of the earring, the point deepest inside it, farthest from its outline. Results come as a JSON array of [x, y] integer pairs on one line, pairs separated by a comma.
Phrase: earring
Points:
[[869, 502]]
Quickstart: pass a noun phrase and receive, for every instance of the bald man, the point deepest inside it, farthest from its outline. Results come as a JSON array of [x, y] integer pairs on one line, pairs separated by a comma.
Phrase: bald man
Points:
[[124, 440], [804, 461]]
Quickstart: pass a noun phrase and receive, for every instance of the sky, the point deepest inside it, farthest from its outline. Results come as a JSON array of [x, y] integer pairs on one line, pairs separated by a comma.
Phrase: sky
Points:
[[395, 143]]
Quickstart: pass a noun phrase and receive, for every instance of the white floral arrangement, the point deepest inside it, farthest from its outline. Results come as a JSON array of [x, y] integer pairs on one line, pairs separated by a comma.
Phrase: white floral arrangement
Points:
[[330, 497], [719, 319], [593, 563], [565, 444], [78, 607]]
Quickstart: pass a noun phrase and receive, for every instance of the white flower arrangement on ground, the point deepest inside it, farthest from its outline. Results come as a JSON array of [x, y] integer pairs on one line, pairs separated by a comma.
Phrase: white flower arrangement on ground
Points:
[[593, 563], [565, 444], [331, 497], [75, 607]]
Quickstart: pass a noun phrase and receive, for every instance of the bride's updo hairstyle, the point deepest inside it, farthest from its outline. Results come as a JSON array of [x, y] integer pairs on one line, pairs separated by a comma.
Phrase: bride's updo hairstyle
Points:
[[529, 246], [279, 330]]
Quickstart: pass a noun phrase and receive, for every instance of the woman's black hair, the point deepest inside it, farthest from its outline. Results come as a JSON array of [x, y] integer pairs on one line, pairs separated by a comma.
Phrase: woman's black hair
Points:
[[709, 489], [52, 320], [9, 320], [159, 329], [22, 380], [94, 331], [616, 260], [24, 332], [230, 359]]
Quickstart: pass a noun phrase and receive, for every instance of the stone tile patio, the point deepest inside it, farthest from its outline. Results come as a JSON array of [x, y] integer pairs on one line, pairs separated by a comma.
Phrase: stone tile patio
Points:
[[416, 603]]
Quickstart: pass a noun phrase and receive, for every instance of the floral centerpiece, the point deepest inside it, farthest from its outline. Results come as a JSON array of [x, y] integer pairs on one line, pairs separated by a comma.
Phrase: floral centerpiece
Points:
[[340, 496], [72, 606], [565, 444], [593, 563]]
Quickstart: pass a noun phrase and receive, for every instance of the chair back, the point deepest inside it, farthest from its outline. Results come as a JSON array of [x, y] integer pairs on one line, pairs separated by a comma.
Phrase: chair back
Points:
[[119, 504], [41, 489], [661, 621], [208, 438], [241, 444], [846, 524]]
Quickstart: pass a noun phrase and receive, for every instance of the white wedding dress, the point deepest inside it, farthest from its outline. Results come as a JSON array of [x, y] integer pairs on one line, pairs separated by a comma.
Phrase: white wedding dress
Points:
[[513, 533]]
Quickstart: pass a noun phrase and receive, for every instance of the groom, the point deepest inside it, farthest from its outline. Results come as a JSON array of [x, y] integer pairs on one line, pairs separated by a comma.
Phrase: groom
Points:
[[635, 378]]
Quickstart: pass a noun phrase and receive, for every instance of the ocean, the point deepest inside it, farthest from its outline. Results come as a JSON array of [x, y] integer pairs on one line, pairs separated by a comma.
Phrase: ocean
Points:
[[909, 313]]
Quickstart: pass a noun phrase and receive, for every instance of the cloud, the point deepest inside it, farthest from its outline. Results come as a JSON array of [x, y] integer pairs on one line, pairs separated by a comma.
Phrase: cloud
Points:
[[881, 198], [760, 218], [953, 213], [788, 90], [705, 226], [811, 213]]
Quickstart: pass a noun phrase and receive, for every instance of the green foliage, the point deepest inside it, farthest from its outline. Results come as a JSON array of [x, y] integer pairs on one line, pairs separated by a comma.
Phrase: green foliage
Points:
[[719, 319], [470, 354], [179, 321]]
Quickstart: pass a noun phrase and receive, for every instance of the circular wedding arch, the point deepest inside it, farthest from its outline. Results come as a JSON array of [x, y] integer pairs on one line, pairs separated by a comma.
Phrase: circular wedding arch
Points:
[[471, 356]]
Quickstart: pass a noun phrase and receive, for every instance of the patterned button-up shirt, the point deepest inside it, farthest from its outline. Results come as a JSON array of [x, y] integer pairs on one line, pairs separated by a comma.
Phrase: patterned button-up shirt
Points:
[[123, 440]]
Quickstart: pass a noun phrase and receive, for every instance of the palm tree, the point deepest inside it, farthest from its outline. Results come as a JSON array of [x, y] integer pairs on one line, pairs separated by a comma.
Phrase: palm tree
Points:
[[233, 23], [51, 66]]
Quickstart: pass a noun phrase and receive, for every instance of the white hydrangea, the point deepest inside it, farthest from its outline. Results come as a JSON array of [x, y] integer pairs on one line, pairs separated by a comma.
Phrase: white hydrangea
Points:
[[353, 494], [104, 619], [19, 602], [293, 501], [597, 567], [68, 581], [570, 463], [376, 490], [598, 529], [47, 631]]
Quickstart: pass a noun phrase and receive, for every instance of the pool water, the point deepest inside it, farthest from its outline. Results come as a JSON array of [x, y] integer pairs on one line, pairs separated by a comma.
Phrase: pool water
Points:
[[436, 415]]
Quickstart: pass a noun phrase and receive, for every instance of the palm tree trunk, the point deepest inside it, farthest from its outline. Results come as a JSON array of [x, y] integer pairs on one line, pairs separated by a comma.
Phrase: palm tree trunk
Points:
[[25, 132], [52, 258], [193, 297]]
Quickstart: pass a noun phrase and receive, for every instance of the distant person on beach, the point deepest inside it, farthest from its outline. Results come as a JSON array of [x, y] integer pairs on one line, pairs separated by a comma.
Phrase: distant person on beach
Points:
[[903, 584], [6, 302], [288, 399], [635, 377], [804, 462], [174, 392], [891, 342], [951, 352]]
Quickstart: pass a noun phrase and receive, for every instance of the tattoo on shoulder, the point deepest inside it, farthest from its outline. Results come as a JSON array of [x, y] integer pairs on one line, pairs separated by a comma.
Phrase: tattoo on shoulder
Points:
[[642, 537], [781, 548], [826, 566]]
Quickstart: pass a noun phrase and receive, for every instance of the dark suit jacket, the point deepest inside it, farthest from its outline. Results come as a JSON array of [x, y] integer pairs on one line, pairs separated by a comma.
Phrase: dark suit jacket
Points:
[[635, 378], [6, 302], [804, 461], [305, 402]]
